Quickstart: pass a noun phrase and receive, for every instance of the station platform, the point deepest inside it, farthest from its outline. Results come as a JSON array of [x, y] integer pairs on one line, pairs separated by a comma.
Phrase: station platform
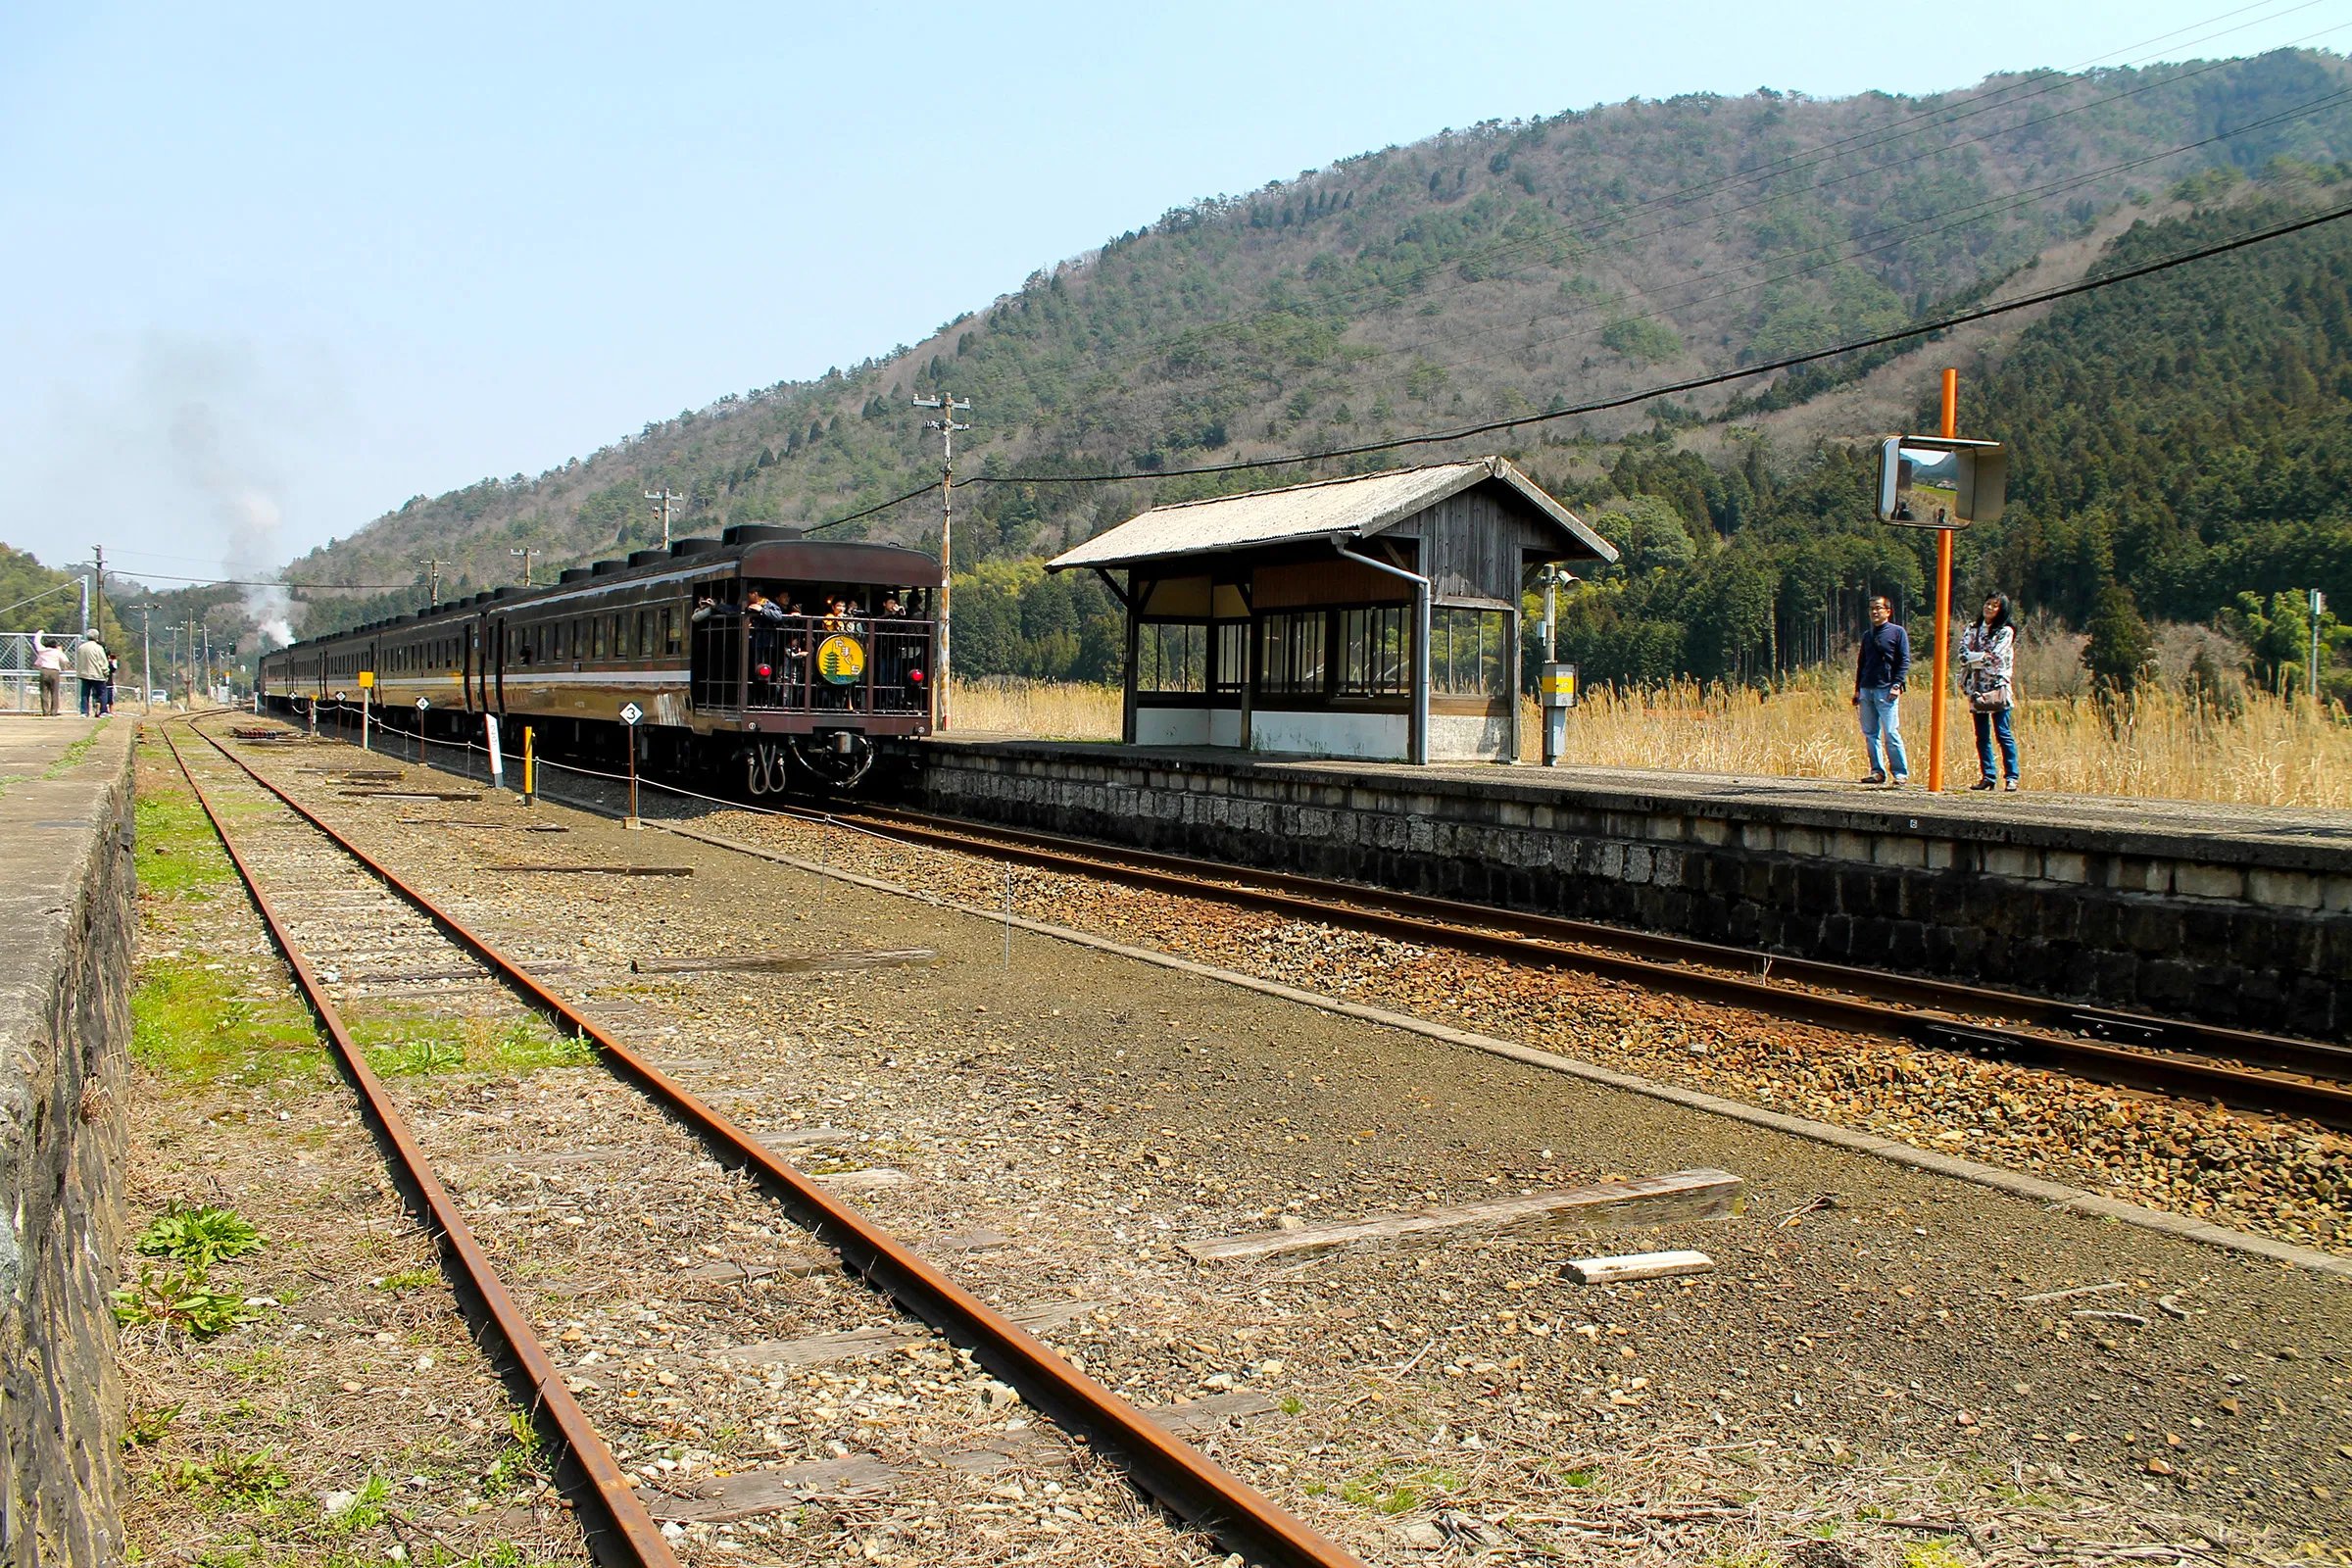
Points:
[[2238, 916], [66, 898]]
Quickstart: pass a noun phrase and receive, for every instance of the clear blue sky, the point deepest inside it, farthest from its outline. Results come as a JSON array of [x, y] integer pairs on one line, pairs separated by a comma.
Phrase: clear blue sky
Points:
[[271, 270]]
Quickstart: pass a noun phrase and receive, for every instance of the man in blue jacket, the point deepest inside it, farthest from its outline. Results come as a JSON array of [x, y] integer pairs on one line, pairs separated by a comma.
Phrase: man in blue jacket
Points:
[[1883, 664]]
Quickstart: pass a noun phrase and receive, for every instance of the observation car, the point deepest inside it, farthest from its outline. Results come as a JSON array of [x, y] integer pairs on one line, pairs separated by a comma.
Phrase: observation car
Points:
[[718, 679]]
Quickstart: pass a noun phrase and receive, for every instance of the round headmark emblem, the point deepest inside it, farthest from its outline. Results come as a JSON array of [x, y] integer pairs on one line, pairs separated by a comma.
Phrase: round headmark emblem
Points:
[[841, 660]]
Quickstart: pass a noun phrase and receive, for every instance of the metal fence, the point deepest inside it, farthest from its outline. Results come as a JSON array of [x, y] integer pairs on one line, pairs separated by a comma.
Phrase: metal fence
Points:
[[21, 677]]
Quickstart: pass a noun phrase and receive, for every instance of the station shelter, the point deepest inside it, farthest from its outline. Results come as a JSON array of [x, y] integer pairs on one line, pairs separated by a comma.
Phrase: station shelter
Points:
[[1374, 617]]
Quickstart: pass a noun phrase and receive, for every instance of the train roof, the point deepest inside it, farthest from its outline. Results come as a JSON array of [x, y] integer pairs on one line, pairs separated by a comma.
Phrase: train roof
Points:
[[757, 549]]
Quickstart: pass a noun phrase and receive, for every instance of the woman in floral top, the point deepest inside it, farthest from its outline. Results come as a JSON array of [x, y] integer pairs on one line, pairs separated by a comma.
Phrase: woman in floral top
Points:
[[1987, 658]]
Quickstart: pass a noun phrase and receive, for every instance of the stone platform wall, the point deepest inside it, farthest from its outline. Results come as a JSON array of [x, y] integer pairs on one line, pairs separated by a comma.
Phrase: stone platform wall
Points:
[[67, 887], [2227, 929]]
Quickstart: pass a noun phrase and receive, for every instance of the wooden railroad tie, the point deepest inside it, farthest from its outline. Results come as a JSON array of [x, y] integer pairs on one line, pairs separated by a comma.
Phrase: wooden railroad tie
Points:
[[787, 962], [593, 870], [1701, 1194]]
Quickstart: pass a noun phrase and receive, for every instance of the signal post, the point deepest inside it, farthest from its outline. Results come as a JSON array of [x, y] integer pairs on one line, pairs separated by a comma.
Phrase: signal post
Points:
[[1944, 483]]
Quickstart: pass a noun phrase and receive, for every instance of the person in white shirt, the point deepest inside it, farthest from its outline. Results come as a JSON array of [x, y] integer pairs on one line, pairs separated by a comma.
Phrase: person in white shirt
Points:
[[90, 663], [50, 660]]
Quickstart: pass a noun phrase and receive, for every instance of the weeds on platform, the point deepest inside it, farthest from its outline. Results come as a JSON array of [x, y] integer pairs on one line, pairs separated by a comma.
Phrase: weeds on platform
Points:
[[198, 1235], [178, 1300]]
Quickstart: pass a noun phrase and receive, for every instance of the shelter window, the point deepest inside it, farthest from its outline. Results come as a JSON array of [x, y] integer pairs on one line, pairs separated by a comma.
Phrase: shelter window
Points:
[[1233, 654], [1376, 648], [1468, 653], [1172, 657], [1290, 659]]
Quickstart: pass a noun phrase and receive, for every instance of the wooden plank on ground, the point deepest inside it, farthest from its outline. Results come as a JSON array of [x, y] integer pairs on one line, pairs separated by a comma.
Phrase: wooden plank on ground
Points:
[[592, 870], [788, 962], [797, 1136], [863, 1181], [757, 1491], [1636, 1266], [1201, 1415], [1700, 1193]]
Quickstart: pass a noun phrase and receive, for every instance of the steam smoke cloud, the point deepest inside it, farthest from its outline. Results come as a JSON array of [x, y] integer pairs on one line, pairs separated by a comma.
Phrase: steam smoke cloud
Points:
[[252, 517]]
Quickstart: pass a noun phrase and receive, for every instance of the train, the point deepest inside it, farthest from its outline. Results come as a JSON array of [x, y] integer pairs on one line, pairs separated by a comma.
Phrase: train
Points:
[[760, 650]]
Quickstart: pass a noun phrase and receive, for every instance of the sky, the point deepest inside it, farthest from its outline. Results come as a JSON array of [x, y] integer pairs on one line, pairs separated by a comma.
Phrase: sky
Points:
[[273, 269]]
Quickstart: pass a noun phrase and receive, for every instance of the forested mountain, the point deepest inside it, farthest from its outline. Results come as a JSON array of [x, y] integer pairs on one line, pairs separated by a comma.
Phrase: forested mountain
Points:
[[1513, 267]]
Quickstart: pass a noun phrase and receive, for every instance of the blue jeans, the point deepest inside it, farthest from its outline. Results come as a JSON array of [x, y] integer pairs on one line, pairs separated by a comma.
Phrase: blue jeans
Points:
[[1879, 719], [1989, 725]]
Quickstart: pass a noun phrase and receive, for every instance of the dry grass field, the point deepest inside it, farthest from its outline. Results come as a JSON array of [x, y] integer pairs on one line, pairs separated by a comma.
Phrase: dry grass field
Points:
[[2265, 753]]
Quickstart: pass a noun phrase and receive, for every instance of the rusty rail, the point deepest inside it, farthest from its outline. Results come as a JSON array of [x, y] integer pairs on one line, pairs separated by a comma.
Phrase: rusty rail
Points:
[[2163, 1056], [1182, 1478], [623, 1510]]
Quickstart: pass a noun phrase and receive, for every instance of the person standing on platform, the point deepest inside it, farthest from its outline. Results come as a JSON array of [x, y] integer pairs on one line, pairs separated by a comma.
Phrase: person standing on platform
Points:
[[89, 662], [50, 660], [1880, 668], [1988, 663]]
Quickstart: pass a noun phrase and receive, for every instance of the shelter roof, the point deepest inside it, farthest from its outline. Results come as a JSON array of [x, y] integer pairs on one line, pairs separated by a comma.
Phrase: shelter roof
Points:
[[1361, 505]]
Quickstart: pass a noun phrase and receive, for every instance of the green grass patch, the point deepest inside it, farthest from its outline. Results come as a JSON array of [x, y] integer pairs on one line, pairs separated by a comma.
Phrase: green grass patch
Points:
[[196, 1025], [179, 853], [1384, 1491], [410, 1279], [408, 1042], [234, 1480], [149, 1425]]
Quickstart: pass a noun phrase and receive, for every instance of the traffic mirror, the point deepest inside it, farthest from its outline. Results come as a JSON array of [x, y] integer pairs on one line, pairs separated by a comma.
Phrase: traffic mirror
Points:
[[1928, 481]]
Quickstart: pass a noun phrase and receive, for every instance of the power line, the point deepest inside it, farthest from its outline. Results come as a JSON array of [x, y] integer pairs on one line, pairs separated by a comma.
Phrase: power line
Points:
[[1695, 383]]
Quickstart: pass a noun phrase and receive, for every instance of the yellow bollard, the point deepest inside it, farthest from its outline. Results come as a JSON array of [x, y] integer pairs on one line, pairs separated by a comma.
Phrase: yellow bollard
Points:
[[531, 766]]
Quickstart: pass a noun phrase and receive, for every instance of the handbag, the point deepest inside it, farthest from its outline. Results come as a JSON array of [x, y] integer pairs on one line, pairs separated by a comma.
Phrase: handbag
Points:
[[1995, 701]]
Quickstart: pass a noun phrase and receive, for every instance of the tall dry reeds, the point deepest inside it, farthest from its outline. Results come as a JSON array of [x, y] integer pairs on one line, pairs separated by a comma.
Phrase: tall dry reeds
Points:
[[1049, 709], [2254, 750]]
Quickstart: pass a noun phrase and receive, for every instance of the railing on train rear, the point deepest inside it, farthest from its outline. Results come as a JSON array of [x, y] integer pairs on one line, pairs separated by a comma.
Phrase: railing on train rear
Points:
[[812, 664]]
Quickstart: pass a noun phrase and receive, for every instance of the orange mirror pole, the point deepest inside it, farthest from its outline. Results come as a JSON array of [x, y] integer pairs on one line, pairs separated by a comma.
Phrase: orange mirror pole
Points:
[[1948, 428]]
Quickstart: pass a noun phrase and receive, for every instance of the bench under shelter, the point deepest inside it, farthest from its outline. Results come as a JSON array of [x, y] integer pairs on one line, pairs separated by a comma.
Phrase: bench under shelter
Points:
[[1375, 616]]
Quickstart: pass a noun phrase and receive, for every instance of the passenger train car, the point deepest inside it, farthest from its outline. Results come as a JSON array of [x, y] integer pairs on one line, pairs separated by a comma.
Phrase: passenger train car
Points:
[[759, 650]]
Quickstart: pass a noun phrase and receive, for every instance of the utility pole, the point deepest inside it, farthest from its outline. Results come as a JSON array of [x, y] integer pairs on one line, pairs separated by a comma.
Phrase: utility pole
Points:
[[663, 499], [146, 657], [945, 426], [98, 572], [527, 554], [2319, 603], [432, 581]]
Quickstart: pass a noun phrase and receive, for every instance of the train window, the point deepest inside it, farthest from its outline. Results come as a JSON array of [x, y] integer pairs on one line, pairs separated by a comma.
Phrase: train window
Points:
[[645, 633], [670, 632], [601, 635]]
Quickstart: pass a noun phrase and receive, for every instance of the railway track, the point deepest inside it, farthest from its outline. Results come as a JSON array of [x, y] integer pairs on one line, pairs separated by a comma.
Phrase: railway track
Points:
[[303, 893], [2247, 1070], [2244, 1069]]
